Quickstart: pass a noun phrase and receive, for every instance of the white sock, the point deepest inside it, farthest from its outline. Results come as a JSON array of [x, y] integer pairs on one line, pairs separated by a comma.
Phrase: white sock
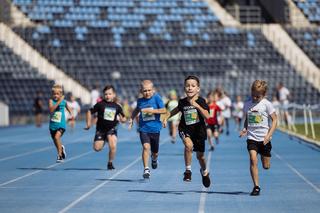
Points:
[[188, 167]]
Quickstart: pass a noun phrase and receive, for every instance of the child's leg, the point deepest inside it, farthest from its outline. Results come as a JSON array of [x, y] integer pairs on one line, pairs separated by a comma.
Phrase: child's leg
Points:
[[188, 146], [98, 145], [145, 154], [209, 134], [112, 141], [174, 130], [265, 162], [216, 135], [254, 167], [57, 142], [202, 162]]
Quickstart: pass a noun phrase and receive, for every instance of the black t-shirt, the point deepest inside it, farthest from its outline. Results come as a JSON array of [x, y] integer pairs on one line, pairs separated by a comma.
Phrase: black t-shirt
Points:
[[192, 121], [107, 114]]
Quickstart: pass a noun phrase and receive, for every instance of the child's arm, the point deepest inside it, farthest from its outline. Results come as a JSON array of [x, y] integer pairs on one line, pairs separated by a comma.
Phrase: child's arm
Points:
[[154, 111], [205, 114], [88, 120], [53, 107], [169, 115], [243, 132], [122, 118], [134, 114], [268, 137]]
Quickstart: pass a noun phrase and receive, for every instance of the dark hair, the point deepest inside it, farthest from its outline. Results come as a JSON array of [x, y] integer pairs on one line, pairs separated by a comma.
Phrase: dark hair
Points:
[[192, 77], [109, 87]]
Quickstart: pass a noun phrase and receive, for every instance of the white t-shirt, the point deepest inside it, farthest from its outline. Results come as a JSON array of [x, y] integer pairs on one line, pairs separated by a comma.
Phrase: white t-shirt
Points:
[[283, 95], [238, 109], [258, 118], [94, 96], [75, 107], [225, 104]]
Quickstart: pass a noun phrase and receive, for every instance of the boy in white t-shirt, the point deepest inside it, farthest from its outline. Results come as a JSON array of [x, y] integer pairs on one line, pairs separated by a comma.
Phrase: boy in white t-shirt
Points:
[[257, 128]]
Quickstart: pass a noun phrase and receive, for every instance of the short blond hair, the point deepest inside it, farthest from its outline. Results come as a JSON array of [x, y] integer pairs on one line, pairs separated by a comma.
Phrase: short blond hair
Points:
[[259, 86], [57, 87], [145, 82]]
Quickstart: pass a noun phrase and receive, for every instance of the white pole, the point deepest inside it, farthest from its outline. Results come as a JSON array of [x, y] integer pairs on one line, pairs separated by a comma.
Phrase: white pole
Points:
[[311, 123], [305, 119], [294, 118]]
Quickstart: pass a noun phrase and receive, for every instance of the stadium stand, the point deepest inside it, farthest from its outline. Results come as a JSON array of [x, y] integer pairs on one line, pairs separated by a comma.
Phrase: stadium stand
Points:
[[19, 82], [161, 40], [311, 9]]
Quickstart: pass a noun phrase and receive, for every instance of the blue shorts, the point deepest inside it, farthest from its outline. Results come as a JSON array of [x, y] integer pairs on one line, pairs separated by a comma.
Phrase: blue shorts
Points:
[[102, 135], [152, 139]]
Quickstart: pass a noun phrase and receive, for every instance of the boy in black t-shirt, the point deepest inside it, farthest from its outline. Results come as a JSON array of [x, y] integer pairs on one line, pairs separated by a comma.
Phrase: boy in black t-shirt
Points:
[[106, 130], [192, 128]]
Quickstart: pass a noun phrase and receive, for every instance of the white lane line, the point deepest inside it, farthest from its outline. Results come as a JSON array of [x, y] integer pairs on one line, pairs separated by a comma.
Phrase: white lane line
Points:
[[84, 196], [203, 196], [298, 173], [48, 167], [48, 148], [35, 151]]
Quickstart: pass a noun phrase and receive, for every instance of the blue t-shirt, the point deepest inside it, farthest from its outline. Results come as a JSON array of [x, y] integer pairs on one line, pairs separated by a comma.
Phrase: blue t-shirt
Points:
[[58, 117], [150, 123]]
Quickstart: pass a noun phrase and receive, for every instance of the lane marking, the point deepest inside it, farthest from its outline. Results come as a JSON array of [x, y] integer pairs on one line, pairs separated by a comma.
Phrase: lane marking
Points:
[[317, 189], [203, 196], [48, 167], [87, 194]]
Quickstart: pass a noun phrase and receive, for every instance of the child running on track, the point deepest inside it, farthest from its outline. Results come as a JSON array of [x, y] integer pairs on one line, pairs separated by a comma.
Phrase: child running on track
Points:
[[150, 106], [256, 126], [212, 123], [106, 130], [192, 127], [173, 122], [57, 124]]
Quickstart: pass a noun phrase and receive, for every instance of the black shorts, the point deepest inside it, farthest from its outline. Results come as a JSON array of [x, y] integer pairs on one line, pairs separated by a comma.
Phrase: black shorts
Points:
[[152, 139], [197, 140], [102, 135], [53, 132], [213, 127], [264, 150]]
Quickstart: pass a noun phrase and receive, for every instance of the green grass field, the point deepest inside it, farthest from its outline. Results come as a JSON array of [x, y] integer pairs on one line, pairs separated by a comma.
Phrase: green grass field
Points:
[[301, 130]]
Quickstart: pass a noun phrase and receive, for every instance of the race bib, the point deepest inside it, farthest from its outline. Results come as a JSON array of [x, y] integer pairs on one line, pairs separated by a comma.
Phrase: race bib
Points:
[[148, 116], [109, 114], [254, 119], [211, 112], [56, 117], [191, 116]]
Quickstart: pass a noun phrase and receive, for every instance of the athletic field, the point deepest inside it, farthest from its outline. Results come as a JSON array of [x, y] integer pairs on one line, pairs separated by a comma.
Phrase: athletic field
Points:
[[31, 181]]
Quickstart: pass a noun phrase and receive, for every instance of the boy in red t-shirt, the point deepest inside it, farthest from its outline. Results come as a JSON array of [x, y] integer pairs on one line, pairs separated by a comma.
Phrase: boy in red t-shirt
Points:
[[212, 122]]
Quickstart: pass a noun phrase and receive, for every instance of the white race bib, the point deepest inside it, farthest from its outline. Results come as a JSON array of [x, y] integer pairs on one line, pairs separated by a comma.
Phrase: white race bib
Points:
[[255, 119], [109, 114], [191, 116], [148, 116], [56, 117]]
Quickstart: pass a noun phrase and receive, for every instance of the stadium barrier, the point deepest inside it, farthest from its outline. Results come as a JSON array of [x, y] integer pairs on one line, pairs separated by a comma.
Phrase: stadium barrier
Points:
[[4, 114]]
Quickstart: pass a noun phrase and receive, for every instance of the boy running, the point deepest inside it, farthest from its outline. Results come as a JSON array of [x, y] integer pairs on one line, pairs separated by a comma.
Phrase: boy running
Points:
[[256, 126], [150, 106], [106, 130], [192, 127]]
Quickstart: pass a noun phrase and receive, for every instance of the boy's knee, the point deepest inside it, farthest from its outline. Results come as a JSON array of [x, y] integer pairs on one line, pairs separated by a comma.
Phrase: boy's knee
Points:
[[97, 148], [266, 166], [253, 161]]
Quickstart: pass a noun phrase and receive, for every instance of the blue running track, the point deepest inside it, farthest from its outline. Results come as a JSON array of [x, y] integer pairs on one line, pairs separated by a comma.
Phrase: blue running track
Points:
[[31, 181]]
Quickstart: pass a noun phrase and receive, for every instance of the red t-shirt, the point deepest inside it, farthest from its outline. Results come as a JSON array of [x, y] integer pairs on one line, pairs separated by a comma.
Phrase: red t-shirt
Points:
[[214, 109]]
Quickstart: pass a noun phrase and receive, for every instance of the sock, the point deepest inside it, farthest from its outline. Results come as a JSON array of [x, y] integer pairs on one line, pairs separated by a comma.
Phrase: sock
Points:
[[154, 158], [204, 171], [146, 167], [188, 167]]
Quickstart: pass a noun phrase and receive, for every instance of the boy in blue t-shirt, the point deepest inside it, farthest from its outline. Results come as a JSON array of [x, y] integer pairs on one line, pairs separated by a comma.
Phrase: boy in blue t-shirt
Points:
[[150, 106], [57, 124]]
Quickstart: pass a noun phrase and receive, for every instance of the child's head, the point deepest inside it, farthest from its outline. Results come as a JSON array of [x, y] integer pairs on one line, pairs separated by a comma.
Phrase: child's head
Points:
[[191, 86], [258, 90], [239, 98], [109, 93], [146, 88], [57, 91], [173, 95], [212, 97]]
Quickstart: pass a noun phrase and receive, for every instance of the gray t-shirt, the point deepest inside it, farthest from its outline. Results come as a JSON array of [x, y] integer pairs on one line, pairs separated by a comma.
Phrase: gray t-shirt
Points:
[[258, 118]]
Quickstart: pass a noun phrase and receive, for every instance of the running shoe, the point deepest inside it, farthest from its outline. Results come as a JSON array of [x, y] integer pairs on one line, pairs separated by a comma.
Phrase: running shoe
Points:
[[187, 175], [59, 159], [64, 154], [146, 173], [255, 191], [211, 148], [110, 166], [205, 179], [154, 164]]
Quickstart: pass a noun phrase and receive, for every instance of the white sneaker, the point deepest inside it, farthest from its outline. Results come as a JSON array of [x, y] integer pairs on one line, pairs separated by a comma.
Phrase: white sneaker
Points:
[[146, 173], [59, 159], [64, 154]]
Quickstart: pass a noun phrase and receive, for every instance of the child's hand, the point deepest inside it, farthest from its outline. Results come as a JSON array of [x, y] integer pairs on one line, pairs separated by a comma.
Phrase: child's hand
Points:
[[243, 132], [266, 139], [164, 123]]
